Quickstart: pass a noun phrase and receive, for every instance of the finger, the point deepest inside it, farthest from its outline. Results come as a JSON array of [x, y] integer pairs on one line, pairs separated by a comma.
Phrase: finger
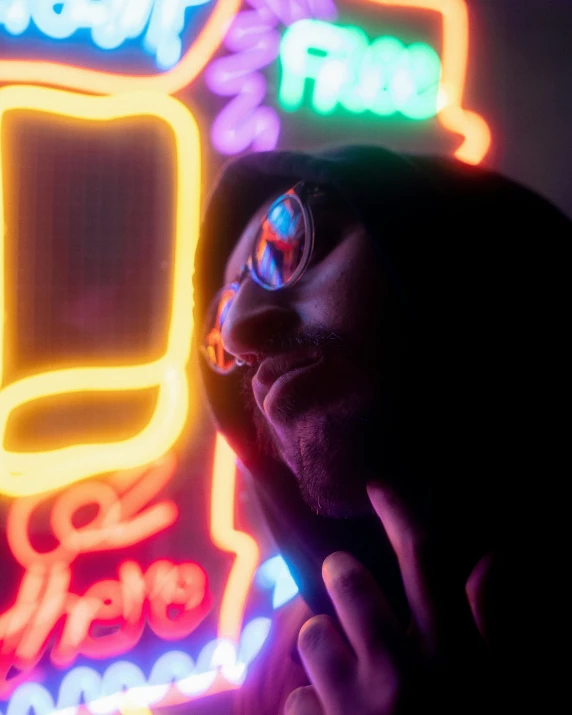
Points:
[[433, 581], [478, 590], [364, 614], [303, 701], [328, 660]]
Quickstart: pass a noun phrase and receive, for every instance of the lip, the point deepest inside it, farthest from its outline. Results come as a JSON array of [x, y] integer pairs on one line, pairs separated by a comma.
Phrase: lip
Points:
[[276, 371]]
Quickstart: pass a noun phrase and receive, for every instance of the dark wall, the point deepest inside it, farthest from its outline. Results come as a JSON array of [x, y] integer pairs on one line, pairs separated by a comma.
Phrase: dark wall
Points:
[[521, 76]]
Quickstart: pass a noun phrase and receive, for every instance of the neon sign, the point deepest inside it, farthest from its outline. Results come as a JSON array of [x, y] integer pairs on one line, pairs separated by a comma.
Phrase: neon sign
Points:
[[254, 42], [25, 473], [452, 115], [124, 17], [124, 517], [158, 23], [52, 621], [174, 677], [172, 598], [383, 77]]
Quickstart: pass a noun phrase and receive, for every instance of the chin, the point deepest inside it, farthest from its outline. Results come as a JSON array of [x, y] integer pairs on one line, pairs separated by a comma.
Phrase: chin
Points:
[[333, 459], [330, 501], [332, 451]]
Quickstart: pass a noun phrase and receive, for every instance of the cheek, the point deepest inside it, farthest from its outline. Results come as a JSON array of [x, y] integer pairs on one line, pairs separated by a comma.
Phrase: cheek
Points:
[[349, 289]]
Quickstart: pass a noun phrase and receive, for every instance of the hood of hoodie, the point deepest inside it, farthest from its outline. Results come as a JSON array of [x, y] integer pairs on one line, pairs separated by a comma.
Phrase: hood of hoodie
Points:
[[477, 264]]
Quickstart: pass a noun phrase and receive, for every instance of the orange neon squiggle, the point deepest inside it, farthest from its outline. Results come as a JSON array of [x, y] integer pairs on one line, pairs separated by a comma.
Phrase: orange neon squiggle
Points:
[[227, 538], [78, 78], [452, 115], [119, 521], [26, 473], [172, 598]]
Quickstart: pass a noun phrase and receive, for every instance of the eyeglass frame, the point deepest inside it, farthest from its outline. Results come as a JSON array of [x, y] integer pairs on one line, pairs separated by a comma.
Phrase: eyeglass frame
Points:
[[301, 192]]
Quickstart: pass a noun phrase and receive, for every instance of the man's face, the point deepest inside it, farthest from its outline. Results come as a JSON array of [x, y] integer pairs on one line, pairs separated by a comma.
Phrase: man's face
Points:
[[321, 357]]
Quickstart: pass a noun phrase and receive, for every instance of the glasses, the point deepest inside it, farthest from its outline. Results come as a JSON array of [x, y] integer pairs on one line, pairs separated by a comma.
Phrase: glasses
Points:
[[281, 252]]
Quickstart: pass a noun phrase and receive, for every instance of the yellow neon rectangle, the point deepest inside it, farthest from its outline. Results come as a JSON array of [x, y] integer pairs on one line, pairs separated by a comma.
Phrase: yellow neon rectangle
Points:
[[24, 473]]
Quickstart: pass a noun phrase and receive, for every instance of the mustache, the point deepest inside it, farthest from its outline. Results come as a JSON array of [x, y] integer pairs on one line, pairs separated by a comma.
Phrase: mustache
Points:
[[310, 336]]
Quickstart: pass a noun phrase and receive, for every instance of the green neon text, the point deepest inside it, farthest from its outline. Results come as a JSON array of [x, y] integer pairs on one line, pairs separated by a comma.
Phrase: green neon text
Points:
[[383, 77]]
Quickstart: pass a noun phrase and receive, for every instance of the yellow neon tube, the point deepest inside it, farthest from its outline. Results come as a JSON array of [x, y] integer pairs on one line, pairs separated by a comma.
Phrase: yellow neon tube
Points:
[[452, 115], [227, 538], [26, 473]]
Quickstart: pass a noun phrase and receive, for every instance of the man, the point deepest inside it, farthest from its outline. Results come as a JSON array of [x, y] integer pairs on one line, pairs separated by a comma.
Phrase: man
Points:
[[384, 349]]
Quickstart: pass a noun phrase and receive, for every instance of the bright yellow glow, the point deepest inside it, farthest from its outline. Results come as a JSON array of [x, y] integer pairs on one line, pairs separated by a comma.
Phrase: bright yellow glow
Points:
[[77, 78], [227, 538], [132, 708], [25, 473], [452, 115]]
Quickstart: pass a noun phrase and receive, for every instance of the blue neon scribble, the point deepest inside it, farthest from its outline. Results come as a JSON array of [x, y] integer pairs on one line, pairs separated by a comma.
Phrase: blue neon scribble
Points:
[[274, 574], [104, 694], [158, 23]]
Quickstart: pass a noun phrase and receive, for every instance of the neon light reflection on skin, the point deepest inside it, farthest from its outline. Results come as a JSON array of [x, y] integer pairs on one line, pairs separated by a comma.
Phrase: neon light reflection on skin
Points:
[[25, 473], [254, 41], [112, 23], [384, 77]]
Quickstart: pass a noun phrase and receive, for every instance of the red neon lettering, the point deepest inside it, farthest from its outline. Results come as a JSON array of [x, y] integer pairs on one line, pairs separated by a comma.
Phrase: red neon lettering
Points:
[[123, 518], [108, 619]]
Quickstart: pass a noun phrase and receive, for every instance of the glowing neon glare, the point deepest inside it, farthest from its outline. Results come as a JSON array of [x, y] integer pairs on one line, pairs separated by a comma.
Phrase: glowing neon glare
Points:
[[44, 597], [274, 574], [254, 41], [25, 473], [123, 518], [385, 76], [471, 126], [226, 537], [93, 81], [112, 22], [124, 688], [26, 628], [173, 598]]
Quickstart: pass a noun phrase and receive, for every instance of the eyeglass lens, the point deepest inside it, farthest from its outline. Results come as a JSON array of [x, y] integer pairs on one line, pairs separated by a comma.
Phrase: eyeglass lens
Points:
[[277, 254], [279, 246]]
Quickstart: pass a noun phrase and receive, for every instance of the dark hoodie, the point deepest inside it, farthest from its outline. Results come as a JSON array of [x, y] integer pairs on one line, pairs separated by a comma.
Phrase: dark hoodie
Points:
[[477, 264]]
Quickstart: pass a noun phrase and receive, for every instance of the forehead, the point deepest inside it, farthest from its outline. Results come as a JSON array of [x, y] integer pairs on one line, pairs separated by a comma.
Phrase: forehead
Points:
[[243, 246]]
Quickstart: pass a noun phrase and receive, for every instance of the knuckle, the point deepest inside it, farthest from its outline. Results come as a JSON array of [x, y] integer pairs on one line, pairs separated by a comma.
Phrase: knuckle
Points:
[[350, 583]]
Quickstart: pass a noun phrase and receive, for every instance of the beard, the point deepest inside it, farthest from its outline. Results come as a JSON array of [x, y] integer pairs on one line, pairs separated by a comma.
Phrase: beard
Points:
[[332, 445]]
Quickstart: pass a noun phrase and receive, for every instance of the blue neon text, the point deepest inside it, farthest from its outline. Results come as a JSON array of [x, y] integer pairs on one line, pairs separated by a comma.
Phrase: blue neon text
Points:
[[112, 22]]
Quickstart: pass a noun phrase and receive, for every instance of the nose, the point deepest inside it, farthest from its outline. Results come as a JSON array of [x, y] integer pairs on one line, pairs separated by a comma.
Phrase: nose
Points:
[[256, 319]]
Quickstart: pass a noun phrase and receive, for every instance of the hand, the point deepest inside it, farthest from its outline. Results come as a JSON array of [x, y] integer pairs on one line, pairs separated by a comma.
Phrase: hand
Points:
[[374, 667]]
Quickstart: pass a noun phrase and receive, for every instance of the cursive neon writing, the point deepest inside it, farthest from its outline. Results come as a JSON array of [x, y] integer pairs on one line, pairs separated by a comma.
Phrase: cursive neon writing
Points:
[[158, 23], [254, 41], [175, 673], [172, 598], [383, 77]]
